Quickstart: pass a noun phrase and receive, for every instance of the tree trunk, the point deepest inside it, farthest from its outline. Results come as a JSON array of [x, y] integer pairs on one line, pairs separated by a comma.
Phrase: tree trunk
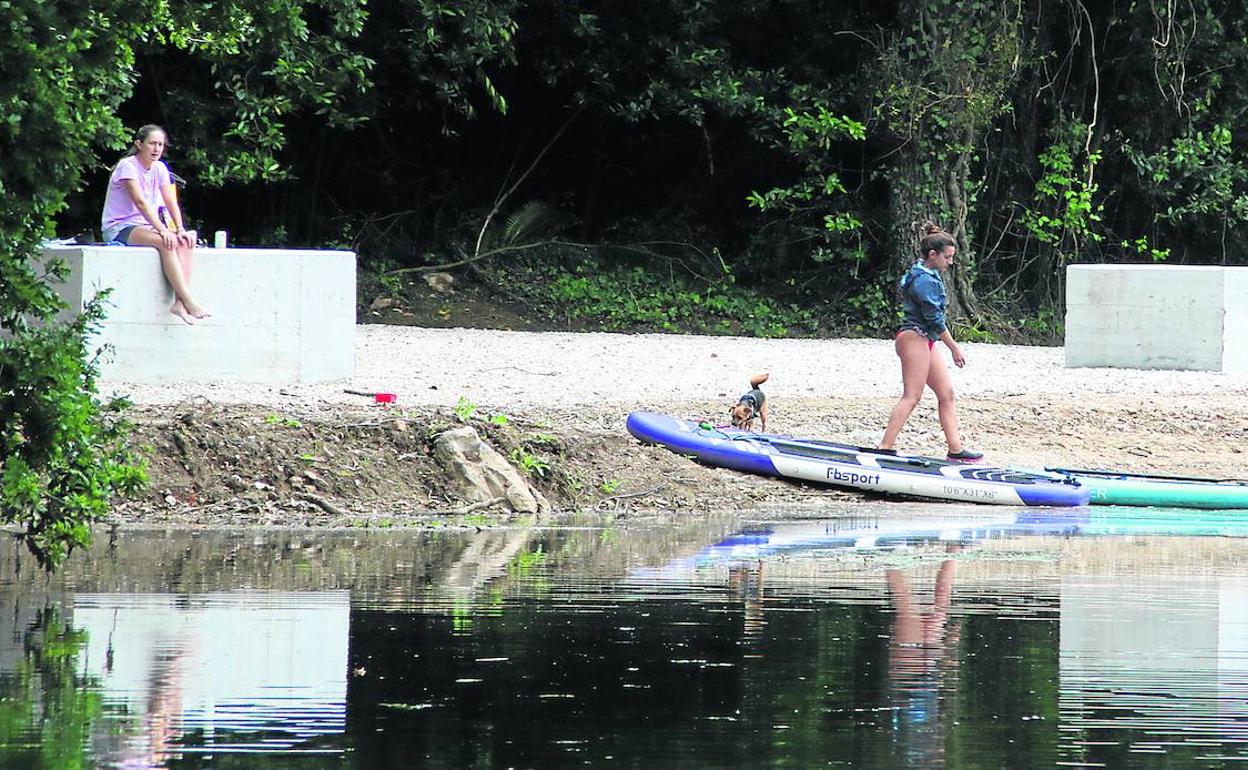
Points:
[[963, 301], [915, 200]]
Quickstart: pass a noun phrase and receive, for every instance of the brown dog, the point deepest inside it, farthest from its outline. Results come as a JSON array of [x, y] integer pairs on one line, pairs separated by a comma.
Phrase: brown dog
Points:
[[752, 404]]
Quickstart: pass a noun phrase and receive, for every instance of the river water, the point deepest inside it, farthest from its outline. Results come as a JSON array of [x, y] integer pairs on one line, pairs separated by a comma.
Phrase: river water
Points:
[[881, 635]]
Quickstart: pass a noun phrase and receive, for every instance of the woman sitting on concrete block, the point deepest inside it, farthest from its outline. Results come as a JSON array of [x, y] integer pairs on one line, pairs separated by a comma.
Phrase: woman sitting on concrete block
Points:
[[139, 188]]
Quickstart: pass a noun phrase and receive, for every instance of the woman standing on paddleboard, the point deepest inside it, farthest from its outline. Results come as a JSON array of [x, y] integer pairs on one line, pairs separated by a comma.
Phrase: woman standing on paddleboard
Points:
[[924, 304]]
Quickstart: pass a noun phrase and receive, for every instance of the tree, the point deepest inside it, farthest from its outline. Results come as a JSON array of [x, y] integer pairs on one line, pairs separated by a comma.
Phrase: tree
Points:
[[68, 67], [63, 456], [940, 82]]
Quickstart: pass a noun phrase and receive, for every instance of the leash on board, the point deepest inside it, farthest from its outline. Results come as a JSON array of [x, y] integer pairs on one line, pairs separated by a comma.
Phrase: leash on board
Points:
[[710, 427]]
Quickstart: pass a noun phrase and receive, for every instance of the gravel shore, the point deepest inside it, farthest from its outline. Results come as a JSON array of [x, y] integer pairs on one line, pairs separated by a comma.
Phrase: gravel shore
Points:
[[558, 370]]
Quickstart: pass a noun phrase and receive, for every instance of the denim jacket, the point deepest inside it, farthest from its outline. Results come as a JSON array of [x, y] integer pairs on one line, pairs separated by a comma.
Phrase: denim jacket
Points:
[[923, 301]]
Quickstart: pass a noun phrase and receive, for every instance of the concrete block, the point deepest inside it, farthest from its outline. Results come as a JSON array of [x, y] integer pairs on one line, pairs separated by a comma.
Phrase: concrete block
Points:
[[1235, 336], [1157, 317], [278, 315]]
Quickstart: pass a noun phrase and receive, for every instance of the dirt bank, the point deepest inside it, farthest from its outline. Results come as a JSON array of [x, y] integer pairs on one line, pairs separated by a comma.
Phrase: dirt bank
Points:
[[302, 462]]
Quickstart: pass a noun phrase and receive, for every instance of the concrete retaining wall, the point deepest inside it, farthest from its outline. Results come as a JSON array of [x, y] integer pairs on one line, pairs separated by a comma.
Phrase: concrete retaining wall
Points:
[[1157, 317], [278, 315]]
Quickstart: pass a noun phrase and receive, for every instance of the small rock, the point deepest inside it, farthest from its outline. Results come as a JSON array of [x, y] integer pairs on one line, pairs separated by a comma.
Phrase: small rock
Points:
[[442, 283], [480, 473], [383, 303]]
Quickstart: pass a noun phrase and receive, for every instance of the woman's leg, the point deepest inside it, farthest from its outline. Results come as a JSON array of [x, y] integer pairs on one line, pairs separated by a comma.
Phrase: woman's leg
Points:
[[939, 381], [184, 305], [186, 259], [915, 358]]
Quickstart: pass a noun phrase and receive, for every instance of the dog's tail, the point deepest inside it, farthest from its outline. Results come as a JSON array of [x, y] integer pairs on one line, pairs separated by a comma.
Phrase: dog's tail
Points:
[[759, 379]]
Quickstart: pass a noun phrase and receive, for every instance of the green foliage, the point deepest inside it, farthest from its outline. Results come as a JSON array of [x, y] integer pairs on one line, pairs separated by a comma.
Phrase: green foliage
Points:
[[250, 69], [616, 297], [873, 308], [1046, 323], [813, 203], [530, 221], [975, 332], [449, 48], [525, 562], [279, 420], [1143, 248], [464, 409], [544, 439], [67, 69], [1065, 213], [65, 454], [277, 236], [531, 464], [47, 708], [937, 88], [1199, 177]]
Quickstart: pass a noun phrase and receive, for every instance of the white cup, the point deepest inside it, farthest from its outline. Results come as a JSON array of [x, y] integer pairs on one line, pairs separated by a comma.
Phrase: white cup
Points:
[[219, 239]]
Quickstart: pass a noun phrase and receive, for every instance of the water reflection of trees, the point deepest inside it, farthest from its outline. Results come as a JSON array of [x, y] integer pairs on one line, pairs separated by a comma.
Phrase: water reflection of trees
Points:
[[47, 709], [794, 667], [383, 565]]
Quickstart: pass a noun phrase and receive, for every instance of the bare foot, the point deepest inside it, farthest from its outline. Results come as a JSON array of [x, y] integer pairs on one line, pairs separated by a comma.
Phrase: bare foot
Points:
[[198, 311], [180, 312]]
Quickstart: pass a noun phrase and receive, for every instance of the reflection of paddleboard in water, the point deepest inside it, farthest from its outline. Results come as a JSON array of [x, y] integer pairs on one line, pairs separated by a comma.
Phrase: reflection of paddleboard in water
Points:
[[866, 470], [812, 538], [1128, 520], [882, 533]]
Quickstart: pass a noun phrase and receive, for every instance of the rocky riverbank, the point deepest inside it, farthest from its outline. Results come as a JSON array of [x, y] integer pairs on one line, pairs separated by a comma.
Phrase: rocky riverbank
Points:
[[555, 404]]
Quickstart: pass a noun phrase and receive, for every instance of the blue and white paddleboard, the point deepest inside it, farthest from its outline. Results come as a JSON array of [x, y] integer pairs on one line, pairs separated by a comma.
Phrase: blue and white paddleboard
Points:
[[853, 467]]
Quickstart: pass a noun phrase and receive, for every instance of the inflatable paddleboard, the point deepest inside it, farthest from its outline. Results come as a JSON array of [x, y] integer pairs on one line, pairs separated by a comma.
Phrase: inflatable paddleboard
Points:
[[1118, 488], [851, 467]]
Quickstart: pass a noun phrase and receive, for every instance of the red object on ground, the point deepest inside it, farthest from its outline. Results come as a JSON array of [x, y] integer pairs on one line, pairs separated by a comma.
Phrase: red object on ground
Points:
[[385, 398]]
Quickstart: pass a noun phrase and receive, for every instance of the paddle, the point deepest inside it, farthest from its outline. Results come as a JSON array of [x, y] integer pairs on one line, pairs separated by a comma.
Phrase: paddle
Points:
[[829, 447], [1153, 476]]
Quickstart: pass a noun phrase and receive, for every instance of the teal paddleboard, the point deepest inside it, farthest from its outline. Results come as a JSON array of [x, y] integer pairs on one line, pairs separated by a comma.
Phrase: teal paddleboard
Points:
[[1116, 488]]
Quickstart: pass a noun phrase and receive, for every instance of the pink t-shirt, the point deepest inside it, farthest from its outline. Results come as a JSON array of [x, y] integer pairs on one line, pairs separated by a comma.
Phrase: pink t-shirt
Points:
[[119, 209]]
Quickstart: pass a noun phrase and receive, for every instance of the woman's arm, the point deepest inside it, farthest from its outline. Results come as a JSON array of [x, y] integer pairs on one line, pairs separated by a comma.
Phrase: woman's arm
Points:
[[145, 208], [959, 360], [932, 299], [169, 193]]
